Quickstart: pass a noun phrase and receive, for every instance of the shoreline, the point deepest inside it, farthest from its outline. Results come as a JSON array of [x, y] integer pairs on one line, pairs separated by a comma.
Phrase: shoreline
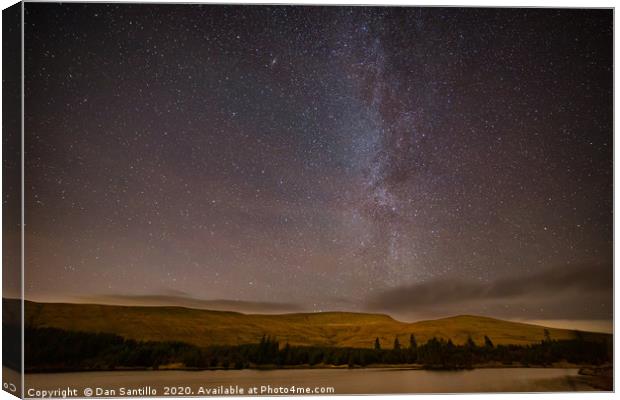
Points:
[[584, 370]]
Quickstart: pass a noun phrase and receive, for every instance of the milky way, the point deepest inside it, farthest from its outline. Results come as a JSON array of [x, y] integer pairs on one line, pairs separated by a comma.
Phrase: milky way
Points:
[[323, 157]]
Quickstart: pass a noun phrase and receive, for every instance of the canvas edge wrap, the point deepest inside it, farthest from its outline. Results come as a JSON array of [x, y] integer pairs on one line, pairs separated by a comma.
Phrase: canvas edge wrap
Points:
[[12, 200]]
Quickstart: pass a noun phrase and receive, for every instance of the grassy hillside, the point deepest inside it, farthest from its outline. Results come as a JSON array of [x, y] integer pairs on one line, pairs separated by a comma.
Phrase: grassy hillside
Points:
[[204, 327]]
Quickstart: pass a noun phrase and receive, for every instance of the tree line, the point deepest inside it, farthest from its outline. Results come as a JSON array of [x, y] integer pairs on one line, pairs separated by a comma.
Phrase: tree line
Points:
[[57, 350]]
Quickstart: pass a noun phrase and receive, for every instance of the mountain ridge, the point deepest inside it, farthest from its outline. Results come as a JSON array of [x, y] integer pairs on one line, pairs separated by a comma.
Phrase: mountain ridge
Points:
[[330, 328]]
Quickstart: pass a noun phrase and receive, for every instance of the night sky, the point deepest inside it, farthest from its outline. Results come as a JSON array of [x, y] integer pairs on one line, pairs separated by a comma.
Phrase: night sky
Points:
[[417, 162]]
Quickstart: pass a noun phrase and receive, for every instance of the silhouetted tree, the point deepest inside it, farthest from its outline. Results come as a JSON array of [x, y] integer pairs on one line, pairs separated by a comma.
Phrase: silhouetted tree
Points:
[[547, 336], [412, 342], [487, 342], [52, 349], [396, 343]]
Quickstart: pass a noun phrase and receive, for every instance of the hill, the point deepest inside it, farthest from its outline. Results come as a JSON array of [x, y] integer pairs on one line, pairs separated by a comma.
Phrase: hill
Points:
[[205, 327]]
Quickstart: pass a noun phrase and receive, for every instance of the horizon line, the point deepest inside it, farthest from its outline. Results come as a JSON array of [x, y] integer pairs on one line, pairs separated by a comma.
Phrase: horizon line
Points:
[[384, 314]]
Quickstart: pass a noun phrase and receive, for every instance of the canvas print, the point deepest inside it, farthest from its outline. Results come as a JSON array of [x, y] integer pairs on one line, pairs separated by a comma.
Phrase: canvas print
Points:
[[212, 199]]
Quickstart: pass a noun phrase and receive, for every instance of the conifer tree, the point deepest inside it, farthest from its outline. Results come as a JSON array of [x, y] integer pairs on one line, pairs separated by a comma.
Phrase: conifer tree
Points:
[[413, 344]]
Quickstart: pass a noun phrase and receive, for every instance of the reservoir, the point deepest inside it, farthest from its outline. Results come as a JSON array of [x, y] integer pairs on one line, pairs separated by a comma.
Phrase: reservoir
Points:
[[308, 381]]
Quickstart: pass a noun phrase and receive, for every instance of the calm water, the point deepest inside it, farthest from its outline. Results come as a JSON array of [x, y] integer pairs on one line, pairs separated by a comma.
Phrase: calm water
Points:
[[343, 381]]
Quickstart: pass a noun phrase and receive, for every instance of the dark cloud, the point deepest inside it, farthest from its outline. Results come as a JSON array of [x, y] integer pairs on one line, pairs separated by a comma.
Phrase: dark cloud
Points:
[[181, 300], [580, 291]]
